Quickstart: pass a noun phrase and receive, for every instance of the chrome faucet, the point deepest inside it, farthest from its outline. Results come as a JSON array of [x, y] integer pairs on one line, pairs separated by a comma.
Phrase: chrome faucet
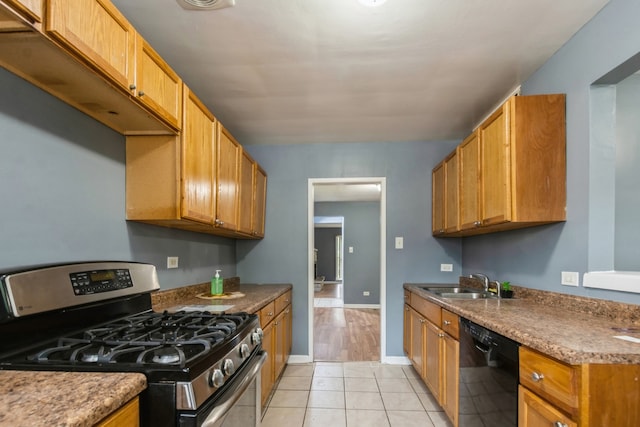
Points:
[[498, 287], [485, 280]]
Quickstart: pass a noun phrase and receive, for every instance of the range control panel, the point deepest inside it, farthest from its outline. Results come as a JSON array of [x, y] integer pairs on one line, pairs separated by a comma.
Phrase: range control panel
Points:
[[96, 281]]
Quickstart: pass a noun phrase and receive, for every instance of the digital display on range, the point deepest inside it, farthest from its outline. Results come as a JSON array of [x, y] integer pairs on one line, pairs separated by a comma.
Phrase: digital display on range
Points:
[[99, 276], [97, 281]]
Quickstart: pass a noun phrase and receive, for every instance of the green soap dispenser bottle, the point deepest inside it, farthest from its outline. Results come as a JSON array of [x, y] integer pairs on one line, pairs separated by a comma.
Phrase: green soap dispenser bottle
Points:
[[217, 284]]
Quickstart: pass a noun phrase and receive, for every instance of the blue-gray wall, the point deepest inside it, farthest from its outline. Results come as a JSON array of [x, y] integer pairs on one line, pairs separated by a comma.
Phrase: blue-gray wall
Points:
[[282, 255], [62, 187], [535, 257], [362, 232]]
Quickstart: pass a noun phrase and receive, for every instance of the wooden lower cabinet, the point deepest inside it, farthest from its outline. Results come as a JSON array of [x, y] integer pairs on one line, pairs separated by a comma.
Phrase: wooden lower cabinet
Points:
[[431, 343], [554, 393], [267, 371], [276, 321], [535, 412], [127, 416]]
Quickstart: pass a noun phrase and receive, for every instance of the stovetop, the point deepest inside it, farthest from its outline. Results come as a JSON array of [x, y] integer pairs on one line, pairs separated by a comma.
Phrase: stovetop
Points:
[[167, 346]]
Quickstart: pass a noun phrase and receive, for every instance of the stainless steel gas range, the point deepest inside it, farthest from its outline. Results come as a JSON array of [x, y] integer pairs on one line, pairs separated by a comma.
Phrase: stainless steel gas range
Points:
[[202, 369]]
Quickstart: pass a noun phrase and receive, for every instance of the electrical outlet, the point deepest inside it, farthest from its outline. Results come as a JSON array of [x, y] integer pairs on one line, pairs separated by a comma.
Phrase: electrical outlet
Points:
[[365, 293], [172, 262], [570, 278], [446, 267]]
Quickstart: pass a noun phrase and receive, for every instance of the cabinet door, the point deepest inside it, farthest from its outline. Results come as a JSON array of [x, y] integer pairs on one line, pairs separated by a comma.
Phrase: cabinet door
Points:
[[451, 193], [495, 166], [469, 173], [97, 32], [535, 412], [280, 344], [267, 374], [198, 160], [437, 200], [417, 342], [246, 199], [157, 86], [406, 340], [260, 200], [432, 359], [228, 161], [450, 377], [30, 9], [126, 416]]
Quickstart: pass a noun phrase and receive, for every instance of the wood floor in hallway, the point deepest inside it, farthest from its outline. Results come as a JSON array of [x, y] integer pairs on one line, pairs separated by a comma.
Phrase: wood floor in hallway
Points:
[[346, 334]]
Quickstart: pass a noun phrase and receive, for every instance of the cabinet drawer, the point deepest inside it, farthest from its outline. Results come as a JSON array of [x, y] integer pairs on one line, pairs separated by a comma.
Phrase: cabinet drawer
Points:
[[267, 314], [450, 324], [282, 301], [431, 311], [553, 380], [533, 411]]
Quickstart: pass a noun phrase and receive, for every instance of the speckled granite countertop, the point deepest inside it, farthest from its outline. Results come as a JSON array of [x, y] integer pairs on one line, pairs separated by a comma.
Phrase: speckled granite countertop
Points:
[[573, 329], [255, 296], [33, 399]]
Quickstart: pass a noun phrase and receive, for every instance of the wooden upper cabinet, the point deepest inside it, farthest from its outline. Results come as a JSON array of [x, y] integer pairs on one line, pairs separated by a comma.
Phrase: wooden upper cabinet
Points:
[[156, 85], [437, 199], [228, 169], [444, 180], [97, 32], [520, 179], [31, 9], [246, 199], [495, 166], [451, 193], [469, 175], [198, 161], [260, 200]]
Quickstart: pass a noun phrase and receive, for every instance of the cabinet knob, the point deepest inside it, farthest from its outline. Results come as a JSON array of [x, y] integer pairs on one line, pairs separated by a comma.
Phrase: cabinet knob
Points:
[[270, 314], [441, 335], [446, 322], [477, 223], [140, 93], [559, 424], [536, 377], [132, 86]]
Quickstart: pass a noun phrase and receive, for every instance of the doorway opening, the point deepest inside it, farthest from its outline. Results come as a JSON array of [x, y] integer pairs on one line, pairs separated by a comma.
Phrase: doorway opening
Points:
[[363, 312], [328, 256]]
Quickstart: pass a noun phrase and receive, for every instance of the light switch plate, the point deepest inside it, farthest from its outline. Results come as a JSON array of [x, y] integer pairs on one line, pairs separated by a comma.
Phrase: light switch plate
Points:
[[446, 267], [350, 249], [399, 242]]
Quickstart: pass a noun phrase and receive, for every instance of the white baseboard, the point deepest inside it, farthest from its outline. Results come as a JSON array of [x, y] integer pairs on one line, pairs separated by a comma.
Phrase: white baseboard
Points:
[[362, 306], [299, 359], [396, 360]]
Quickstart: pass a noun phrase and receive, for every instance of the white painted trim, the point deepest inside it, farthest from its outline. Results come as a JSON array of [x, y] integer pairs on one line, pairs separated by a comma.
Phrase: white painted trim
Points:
[[396, 360], [377, 306], [383, 252], [625, 281], [299, 359]]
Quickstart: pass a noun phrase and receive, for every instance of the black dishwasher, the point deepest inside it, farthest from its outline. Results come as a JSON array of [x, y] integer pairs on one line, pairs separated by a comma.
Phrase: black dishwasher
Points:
[[488, 377]]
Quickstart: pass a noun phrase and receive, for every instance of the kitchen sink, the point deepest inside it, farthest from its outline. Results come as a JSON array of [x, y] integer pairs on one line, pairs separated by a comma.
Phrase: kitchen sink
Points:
[[459, 293]]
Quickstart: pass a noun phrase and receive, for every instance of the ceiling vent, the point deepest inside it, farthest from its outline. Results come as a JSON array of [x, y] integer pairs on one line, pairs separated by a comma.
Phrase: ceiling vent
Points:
[[206, 4]]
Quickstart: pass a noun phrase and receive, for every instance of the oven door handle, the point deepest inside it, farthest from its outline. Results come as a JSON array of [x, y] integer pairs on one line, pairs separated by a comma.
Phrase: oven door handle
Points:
[[233, 394]]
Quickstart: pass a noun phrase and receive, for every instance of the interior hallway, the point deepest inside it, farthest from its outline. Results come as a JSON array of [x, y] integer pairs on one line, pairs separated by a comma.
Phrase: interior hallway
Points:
[[343, 334]]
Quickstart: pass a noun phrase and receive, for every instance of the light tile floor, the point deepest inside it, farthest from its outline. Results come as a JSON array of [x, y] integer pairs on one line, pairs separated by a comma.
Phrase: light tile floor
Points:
[[352, 394]]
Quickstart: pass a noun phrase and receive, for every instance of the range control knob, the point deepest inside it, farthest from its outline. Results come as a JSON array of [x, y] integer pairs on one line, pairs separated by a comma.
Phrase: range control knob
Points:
[[244, 351], [256, 336], [228, 367], [216, 379]]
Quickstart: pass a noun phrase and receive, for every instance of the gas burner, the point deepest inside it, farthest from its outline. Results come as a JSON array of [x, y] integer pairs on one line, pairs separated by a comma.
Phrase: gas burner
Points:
[[166, 356]]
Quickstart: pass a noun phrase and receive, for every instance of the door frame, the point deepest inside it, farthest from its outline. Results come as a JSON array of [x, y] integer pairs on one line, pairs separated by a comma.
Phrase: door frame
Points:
[[382, 181]]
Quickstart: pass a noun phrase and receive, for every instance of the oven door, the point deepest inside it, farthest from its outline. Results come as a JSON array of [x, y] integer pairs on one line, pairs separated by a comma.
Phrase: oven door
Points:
[[237, 406]]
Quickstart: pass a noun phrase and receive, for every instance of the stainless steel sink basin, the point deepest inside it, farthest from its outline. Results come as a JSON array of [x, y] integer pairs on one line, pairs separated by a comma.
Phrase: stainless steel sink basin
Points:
[[459, 293]]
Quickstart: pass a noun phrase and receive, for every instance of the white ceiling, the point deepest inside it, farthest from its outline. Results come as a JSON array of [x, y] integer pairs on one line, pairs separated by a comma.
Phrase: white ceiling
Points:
[[305, 71]]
